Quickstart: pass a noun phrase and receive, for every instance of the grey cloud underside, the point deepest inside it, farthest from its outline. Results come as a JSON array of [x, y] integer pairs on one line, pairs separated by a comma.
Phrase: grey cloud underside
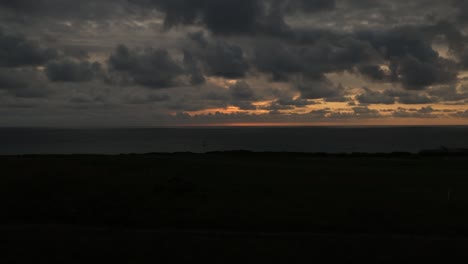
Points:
[[71, 71], [217, 58], [241, 91], [67, 9], [228, 17], [434, 95], [150, 98], [151, 68], [25, 83], [318, 89], [389, 97], [16, 51], [448, 93], [320, 115], [424, 112], [407, 51], [242, 96], [375, 97]]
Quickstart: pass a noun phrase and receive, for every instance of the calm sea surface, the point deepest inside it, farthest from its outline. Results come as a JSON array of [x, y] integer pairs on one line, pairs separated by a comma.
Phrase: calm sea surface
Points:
[[295, 139]]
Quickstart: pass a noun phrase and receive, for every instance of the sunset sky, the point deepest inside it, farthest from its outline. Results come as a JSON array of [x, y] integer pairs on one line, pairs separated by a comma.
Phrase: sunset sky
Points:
[[125, 63]]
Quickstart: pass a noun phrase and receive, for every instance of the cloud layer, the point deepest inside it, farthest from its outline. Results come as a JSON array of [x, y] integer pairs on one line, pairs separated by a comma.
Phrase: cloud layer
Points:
[[238, 60]]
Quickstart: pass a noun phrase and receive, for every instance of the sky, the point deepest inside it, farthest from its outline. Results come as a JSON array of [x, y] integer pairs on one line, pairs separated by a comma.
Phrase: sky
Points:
[[149, 63]]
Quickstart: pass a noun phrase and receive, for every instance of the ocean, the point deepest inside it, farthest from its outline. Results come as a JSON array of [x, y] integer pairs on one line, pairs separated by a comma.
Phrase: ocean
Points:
[[15, 141]]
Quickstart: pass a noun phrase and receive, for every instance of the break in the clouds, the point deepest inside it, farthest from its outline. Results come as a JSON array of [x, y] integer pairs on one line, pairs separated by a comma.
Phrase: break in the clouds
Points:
[[179, 62]]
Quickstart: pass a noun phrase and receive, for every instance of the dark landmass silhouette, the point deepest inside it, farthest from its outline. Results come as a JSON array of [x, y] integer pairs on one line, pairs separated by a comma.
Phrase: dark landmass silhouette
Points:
[[235, 206]]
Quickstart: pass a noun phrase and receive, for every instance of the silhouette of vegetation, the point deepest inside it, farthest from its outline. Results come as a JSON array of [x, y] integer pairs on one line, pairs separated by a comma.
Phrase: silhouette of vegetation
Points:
[[341, 197]]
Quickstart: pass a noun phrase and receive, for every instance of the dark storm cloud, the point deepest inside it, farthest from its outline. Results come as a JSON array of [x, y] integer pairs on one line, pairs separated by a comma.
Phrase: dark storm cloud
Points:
[[288, 103], [407, 51], [415, 98], [147, 99], [365, 112], [230, 17], [193, 69], [366, 4], [284, 62], [26, 83], [223, 17], [424, 112], [17, 51], [452, 33], [189, 103], [373, 72], [313, 60], [77, 53], [320, 89], [375, 97], [88, 101], [405, 97], [462, 7], [400, 42], [358, 113], [416, 74], [227, 17], [242, 96], [298, 102], [241, 91], [244, 105], [150, 68], [409, 97], [448, 93], [277, 107], [411, 57], [218, 58], [311, 6], [71, 71], [67, 9], [461, 114]]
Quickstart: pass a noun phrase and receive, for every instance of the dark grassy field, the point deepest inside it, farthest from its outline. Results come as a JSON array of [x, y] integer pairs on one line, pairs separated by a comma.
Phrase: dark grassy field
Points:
[[234, 207]]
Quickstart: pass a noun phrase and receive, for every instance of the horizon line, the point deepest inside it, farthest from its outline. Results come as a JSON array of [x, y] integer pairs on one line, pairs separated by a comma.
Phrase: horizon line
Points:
[[236, 125]]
